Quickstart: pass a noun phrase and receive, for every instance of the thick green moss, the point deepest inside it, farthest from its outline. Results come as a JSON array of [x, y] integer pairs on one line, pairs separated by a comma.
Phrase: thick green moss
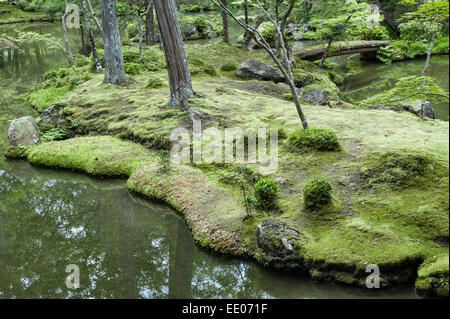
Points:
[[399, 168], [433, 277], [315, 138], [317, 193], [18, 152], [101, 156], [42, 99]]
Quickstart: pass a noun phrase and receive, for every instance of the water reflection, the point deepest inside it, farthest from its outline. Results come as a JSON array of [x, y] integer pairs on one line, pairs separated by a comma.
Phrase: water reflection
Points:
[[126, 247], [365, 79]]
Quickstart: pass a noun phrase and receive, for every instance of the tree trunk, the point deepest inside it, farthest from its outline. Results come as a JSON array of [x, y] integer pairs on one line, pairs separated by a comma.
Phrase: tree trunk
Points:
[[176, 60], [225, 23], [150, 25], [391, 23], [430, 50], [66, 40], [98, 65], [114, 65]]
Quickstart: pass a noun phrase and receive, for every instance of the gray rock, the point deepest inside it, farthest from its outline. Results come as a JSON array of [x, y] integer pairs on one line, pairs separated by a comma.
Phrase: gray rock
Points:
[[427, 110], [420, 108], [51, 117], [279, 242], [256, 70], [316, 97], [23, 132], [280, 180], [190, 33]]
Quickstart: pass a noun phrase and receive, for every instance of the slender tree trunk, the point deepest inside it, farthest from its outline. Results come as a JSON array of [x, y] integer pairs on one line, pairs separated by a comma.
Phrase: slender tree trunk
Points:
[[150, 24], [285, 69], [114, 65], [225, 23], [94, 17], [98, 65], [430, 50], [176, 60], [66, 40], [391, 23], [325, 54]]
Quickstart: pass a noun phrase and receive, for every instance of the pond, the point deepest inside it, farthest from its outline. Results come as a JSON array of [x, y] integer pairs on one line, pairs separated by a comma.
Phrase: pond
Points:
[[124, 246]]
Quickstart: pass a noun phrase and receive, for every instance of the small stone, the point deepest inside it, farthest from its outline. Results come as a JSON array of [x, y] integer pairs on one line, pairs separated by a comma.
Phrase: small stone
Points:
[[316, 97]]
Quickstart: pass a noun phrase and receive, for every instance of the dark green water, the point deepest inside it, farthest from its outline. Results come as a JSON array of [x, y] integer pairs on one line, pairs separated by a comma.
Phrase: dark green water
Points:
[[124, 246]]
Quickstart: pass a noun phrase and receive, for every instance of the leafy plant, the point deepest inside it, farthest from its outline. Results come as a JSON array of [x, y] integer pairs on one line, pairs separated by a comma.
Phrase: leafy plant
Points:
[[315, 138], [317, 193], [266, 192]]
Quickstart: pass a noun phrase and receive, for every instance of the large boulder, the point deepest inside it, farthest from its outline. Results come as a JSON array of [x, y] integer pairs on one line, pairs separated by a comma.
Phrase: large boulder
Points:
[[316, 97], [23, 132], [279, 242], [256, 70]]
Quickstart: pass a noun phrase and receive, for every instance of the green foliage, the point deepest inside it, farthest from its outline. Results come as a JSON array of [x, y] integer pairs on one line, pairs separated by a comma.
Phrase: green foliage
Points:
[[52, 7], [132, 30], [191, 8], [329, 18], [441, 46], [266, 192], [315, 138], [154, 83], [59, 133], [317, 193], [401, 50], [132, 68]]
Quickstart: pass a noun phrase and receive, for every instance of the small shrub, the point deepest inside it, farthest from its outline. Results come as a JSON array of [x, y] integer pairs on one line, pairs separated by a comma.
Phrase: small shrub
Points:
[[132, 68], [317, 193], [59, 133], [164, 160], [154, 83], [289, 96], [315, 138], [266, 192]]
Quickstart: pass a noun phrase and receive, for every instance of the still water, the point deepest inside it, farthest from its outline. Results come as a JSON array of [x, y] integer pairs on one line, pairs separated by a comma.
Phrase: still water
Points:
[[124, 246]]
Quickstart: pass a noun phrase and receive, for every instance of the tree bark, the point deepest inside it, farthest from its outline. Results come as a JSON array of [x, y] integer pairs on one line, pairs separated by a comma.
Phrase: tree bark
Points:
[[225, 23], [114, 65], [150, 25], [390, 22], [98, 65], [176, 60], [430, 50]]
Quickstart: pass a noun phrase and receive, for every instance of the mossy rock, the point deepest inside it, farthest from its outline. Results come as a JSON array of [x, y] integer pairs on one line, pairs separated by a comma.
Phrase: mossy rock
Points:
[[280, 243]]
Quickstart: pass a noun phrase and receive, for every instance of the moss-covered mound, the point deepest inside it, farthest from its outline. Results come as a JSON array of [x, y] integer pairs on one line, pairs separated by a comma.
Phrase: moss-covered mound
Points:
[[390, 176], [433, 277]]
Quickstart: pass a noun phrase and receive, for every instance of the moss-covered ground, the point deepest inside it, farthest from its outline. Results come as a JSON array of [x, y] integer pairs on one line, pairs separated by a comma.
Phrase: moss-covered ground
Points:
[[390, 178], [9, 13]]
